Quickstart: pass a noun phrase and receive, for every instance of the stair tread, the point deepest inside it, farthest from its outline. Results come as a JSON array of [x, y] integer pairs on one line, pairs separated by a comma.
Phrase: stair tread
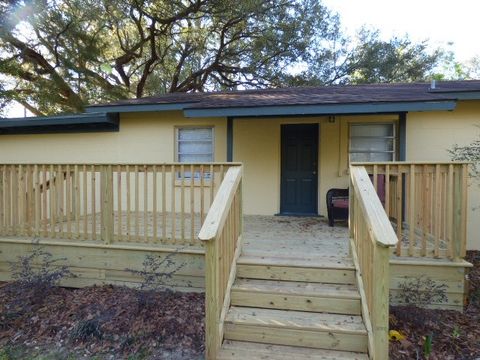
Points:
[[298, 320], [309, 262], [256, 351], [297, 288]]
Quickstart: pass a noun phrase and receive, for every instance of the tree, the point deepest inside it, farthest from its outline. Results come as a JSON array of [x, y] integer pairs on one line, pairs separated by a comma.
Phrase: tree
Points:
[[60, 55], [396, 60], [86, 51]]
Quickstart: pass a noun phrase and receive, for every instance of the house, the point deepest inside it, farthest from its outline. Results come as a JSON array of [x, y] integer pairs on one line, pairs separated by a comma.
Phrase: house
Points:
[[100, 182]]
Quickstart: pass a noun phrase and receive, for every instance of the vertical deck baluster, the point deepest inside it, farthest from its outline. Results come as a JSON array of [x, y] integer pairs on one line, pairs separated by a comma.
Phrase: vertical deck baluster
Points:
[[399, 201], [93, 185], [192, 205], [164, 204], [76, 201], [61, 203], [85, 202], [202, 194], [119, 203], [145, 204], [128, 193], [137, 205], [53, 208], [411, 211], [182, 203], [173, 215], [154, 205], [449, 212], [68, 201]]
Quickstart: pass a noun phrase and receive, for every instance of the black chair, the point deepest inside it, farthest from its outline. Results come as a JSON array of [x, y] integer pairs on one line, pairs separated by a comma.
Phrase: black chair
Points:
[[337, 205]]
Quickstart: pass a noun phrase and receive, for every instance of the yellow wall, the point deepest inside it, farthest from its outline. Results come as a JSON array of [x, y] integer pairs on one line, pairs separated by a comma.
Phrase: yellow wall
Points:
[[150, 137], [257, 145], [430, 135], [143, 137]]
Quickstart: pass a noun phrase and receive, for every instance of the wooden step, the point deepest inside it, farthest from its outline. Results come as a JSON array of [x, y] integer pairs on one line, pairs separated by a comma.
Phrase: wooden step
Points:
[[302, 296], [296, 328], [322, 270], [239, 350]]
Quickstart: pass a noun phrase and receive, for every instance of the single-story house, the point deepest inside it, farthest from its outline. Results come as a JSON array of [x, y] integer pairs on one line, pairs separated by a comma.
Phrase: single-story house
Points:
[[178, 172]]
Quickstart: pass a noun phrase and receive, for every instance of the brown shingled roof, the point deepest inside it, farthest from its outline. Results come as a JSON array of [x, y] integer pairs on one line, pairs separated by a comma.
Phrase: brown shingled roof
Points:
[[335, 94]]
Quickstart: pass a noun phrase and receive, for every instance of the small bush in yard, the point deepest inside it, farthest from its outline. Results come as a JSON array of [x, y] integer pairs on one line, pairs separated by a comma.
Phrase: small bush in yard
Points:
[[35, 276], [422, 291], [155, 274], [38, 271]]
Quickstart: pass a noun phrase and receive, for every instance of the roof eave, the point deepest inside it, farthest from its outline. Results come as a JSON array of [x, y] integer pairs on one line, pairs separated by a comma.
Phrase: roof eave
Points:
[[93, 122], [323, 109]]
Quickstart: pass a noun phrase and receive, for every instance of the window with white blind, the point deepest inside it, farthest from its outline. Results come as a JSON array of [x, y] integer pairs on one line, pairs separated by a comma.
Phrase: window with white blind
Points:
[[195, 145], [372, 142]]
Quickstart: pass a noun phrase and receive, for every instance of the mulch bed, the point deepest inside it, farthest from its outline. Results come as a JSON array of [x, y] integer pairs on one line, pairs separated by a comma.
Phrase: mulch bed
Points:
[[454, 335], [112, 322]]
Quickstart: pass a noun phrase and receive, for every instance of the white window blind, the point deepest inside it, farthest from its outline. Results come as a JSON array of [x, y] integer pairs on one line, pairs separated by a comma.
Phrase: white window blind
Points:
[[372, 142], [195, 145]]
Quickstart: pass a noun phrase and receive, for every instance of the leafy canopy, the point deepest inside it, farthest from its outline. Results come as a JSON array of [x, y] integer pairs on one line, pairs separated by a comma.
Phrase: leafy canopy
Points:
[[60, 55]]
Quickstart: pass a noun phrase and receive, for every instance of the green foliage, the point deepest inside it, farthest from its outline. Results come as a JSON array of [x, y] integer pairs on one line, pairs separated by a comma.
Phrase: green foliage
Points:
[[395, 60], [60, 55], [421, 291], [428, 346]]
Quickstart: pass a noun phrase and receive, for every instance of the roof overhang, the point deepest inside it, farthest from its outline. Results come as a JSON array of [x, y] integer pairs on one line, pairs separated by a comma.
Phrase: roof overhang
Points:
[[92, 122], [322, 109], [137, 107]]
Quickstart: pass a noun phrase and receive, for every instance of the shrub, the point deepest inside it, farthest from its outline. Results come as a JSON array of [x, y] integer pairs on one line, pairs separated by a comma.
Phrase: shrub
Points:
[[38, 272], [422, 291], [155, 274]]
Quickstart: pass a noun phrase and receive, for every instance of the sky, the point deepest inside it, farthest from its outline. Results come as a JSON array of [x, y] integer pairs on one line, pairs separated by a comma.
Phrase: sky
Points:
[[441, 21]]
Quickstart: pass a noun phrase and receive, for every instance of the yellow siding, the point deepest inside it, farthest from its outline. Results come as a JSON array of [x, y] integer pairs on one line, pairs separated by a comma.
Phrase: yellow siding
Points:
[[143, 137], [430, 135], [257, 145], [150, 137]]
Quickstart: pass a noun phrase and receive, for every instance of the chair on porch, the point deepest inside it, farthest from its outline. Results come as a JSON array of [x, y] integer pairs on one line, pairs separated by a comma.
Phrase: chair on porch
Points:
[[337, 205], [337, 200]]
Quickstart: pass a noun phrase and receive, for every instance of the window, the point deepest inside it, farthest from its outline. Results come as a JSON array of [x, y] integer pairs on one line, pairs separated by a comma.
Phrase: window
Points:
[[195, 145], [372, 142]]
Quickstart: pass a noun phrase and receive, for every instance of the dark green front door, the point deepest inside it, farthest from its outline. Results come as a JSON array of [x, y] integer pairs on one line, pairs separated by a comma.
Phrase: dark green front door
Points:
[[299, 169]]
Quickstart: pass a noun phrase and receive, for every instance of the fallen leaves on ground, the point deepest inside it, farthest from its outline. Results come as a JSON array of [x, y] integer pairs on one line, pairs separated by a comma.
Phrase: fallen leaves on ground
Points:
[[454, 335], [103, 320]]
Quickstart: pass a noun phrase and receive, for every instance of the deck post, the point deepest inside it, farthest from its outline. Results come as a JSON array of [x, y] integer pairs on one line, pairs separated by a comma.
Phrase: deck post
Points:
[[380, 300], [106, 181]]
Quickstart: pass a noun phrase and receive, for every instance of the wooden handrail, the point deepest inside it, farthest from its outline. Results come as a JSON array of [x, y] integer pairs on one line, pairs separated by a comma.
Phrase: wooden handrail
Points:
[[222, 233], [218, 211], [379, 226], [372, 236]]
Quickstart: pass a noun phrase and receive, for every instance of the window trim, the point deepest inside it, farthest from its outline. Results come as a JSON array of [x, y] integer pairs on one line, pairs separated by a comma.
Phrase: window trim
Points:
[[394, 137], [176, 139]]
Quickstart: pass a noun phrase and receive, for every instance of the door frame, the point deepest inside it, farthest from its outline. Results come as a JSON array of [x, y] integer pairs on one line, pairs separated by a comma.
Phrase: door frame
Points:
[[317, 169]]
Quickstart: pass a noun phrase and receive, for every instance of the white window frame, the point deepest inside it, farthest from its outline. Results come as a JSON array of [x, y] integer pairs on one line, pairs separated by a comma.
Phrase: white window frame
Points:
[[393, 138], [196, 176]]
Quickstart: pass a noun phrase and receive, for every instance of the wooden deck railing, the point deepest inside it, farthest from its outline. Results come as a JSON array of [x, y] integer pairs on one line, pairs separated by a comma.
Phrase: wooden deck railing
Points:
[[372, 236], [138, 203], [427, 203], [222, 232]]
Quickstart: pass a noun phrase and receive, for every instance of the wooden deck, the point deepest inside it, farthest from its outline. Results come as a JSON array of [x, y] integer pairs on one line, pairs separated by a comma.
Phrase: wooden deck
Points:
[[293, 237]]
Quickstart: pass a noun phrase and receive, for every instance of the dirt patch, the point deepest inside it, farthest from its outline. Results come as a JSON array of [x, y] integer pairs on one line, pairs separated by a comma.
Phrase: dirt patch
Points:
[[106, 322], [440, 334]]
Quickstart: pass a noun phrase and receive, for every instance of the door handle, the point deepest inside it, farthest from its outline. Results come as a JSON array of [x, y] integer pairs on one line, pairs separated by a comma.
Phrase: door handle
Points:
[[314, 172]]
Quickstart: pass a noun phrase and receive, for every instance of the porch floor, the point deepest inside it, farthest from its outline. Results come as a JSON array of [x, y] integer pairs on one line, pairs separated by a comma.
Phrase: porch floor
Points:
[[293, 237]]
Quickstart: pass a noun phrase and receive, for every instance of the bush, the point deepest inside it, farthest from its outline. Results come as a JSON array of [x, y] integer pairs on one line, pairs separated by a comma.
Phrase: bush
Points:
[[155, 274], [422, 291], [38, 272]]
